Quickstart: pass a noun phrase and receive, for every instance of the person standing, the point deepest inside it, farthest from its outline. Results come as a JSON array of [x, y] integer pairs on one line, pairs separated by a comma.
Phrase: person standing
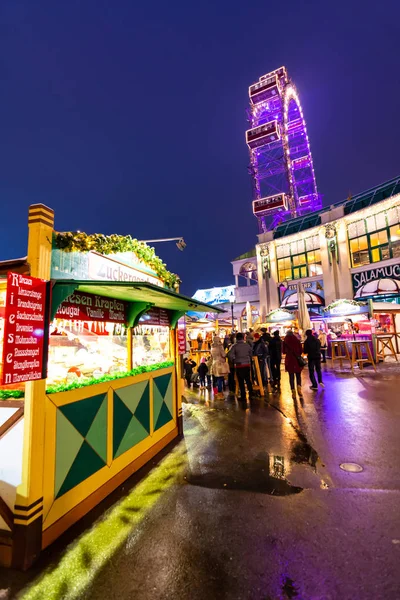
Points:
[[202, 371], [209, 370], [266, 336], [199, 343], [219, 365], [324, 344], [292, 349], [188, 366], [260, 350], [231, 375], [241, 356], [275, 352], [250, 337], [312, 347]]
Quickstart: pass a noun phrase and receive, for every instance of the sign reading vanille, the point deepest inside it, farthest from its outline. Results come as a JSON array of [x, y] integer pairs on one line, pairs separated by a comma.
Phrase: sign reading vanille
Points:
[[24, 329]]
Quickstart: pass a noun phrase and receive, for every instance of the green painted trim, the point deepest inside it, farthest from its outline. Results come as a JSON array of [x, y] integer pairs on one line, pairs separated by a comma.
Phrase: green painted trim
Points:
[[59, 293], [135, 311], [175, 316]]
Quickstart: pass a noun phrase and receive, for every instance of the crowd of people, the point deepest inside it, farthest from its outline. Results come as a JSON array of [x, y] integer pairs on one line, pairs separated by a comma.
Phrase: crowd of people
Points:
[[235, 357]]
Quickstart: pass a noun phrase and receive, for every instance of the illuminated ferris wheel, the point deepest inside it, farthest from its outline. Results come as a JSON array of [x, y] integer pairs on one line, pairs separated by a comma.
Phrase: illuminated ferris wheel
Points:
[[281, 164]]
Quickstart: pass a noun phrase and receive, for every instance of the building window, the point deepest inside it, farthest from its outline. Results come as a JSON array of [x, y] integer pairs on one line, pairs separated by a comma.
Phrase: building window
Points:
[[299, 259], [375, 238]]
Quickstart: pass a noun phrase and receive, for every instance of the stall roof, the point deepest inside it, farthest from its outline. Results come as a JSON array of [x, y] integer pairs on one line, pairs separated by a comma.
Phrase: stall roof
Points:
[[130, 292]]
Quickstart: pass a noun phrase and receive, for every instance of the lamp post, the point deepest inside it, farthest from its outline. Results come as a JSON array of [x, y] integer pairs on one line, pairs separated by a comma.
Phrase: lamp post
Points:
[[180, 242], [232, 300]]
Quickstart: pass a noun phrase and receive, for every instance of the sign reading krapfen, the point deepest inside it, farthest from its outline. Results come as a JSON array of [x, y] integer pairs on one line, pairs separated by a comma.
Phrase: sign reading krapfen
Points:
[[107, 269], [24, 329], [90, 307]]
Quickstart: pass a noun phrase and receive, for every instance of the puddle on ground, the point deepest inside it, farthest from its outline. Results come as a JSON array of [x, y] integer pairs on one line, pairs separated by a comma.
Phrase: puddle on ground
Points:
[[264, 475]]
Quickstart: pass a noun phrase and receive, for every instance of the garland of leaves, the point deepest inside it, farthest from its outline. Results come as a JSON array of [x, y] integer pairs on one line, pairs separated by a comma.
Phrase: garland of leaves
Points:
[[66, 387], [342, 301], [78, 241]]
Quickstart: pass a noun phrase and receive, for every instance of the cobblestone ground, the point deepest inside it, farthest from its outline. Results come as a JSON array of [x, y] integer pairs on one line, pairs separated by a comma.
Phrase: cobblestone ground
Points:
[[251, 504]]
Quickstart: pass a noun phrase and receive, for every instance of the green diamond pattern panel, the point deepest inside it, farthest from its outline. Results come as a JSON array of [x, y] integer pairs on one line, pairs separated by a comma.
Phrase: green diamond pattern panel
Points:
[[78, 455], [86, 464], [131, 416], [82, 413], [163, 400]]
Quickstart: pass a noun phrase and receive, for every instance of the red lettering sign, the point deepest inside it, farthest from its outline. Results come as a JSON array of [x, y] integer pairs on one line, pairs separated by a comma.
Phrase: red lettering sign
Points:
[[90, 307], [24, 329], [181, 341]]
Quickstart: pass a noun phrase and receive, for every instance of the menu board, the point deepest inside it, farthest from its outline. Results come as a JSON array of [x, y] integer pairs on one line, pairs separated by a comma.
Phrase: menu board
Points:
[[91, 307], [24, 329], [181, 336], [155, 316]]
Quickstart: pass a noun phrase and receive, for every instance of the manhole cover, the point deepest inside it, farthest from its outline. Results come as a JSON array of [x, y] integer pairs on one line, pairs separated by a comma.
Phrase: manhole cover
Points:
[[351, 467]]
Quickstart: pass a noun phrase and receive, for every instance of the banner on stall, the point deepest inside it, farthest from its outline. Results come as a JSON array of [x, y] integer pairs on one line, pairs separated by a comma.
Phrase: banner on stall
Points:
[[25, 329], [91, 307], [181, 336]]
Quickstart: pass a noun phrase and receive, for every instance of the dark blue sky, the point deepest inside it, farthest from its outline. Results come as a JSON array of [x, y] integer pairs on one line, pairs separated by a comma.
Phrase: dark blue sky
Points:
[[129, 117]]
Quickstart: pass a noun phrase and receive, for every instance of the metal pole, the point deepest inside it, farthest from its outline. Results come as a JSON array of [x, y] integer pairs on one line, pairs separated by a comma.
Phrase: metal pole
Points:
[[233, 325]]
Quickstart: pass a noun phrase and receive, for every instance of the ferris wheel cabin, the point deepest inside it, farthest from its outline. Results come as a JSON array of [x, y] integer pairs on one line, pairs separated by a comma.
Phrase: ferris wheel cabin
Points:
[[266, 206], [263, 135]]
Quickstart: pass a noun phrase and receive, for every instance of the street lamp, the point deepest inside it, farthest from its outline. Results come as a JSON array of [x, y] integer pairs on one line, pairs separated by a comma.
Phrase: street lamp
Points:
[[181, 244], [232, 300]]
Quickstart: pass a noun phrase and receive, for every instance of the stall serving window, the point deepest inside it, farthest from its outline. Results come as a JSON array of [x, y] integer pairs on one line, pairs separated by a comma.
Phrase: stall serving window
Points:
[[89, 339], [151, 338], [299, 259], [375, 238]]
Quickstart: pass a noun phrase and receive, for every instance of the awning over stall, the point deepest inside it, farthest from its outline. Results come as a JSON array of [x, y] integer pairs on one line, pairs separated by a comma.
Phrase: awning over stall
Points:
[[141, 295]]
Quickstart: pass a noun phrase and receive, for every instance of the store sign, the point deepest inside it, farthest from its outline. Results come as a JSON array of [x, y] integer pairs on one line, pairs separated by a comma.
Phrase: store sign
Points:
[[346, 309], [378, 281], [313, 292], [181, 336], [90, 307], [24, 329], [279, 316], [106, 269], [155, 316]]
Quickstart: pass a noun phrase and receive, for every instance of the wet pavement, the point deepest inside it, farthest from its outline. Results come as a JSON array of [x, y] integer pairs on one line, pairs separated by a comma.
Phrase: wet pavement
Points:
[[251, 504]]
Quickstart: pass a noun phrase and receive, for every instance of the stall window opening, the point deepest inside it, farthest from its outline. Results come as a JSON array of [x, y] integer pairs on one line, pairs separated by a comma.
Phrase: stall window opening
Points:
[[150, 345], [80, 350]]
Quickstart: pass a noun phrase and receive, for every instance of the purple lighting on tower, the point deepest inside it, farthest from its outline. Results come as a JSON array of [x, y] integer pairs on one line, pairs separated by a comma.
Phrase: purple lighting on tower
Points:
[[281, 166]]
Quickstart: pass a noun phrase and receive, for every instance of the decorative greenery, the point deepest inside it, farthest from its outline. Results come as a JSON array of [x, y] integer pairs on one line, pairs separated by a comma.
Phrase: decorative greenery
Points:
[[55, 389], [11, 394], [78, 241], [343, 301]]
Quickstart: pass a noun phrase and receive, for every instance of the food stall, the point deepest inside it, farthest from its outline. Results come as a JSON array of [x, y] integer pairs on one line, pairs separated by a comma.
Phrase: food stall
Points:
[[348, 320], [279, 319], [386, 323], [91, 382]]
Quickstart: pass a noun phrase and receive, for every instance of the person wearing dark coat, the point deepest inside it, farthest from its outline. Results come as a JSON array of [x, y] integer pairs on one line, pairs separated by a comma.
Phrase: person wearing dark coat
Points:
[[202, 371], [312, 347], [188, 366], [292, 348], [275, 352], [261, 351]]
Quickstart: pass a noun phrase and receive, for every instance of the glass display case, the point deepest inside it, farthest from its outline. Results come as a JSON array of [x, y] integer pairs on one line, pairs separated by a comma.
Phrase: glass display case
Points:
[[150, 345], [81, 350]]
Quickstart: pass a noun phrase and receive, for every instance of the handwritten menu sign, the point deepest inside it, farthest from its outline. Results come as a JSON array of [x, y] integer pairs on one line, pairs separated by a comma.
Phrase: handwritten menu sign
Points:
[[24, 329], [155, 316]]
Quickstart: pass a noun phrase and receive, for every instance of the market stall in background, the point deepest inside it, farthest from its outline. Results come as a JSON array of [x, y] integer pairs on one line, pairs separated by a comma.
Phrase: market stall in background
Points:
[[91, 377], [280, 320], [348, 320]]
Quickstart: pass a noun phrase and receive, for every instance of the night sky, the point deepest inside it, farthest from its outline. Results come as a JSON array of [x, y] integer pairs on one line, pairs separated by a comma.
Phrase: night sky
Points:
[[129, 117]]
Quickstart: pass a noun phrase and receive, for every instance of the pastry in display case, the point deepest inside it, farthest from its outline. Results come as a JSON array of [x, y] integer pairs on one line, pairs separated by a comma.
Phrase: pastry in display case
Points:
[[84, 350], [150, 345]]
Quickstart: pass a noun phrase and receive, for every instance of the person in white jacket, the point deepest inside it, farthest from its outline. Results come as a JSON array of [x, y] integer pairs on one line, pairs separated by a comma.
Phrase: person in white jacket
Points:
[[219, 365]]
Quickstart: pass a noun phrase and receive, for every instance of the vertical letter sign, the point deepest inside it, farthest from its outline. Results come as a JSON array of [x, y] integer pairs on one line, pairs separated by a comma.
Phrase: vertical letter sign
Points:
[[24, 329]]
